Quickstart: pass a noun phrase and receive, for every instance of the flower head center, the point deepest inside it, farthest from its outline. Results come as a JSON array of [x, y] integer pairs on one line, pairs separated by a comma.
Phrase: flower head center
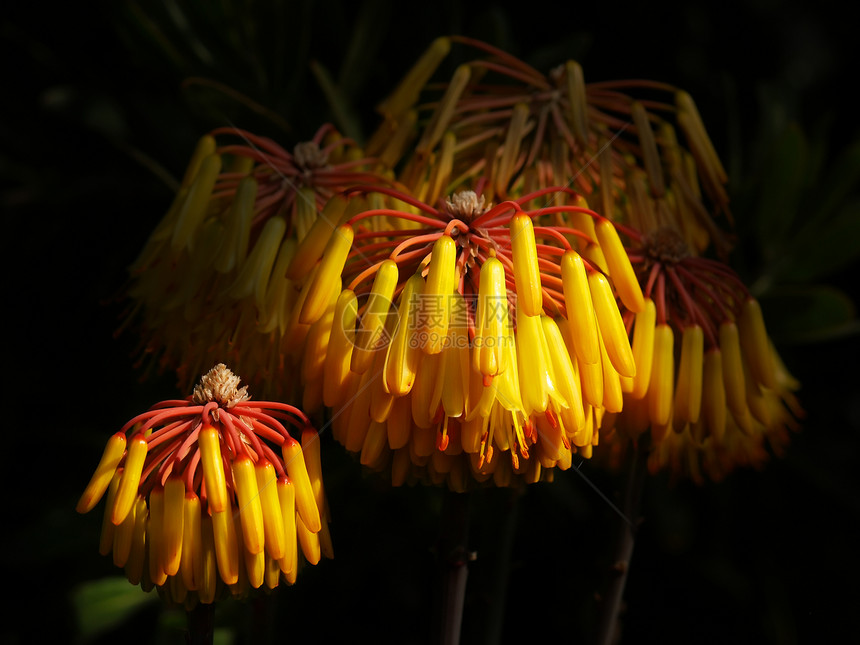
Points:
[[466, 205], [665, 245], [221, 386], [309, 155]]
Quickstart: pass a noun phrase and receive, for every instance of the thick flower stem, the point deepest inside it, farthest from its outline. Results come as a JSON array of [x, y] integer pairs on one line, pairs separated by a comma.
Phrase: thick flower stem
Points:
[[625, 540], [201, 624], [452, 557]]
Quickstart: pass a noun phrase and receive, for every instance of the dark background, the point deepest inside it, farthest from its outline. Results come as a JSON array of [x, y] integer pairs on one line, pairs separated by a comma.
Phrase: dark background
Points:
[[96, 125]]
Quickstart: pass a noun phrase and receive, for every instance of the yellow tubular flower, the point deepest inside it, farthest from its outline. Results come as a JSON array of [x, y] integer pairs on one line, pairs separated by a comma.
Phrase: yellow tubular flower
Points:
[[127, 491], [317, 238], [580, 308], [374, 318], [566, 378], [287, 500], [620, 269], [305, 500], [688, 390], [662, 375], [209, 561], [436, 300], [122, 537], [756, 344], [137, 553], [403, 356], [643, 348], [733, 374], [456, 364], [339, 353], [526, 271], [407, 91], [174, 522], [254, 275], [155, 537], [534, 376], [226, 546], [273, 521], [108, 527], [309, 541], [213, 469], [714, 395], [191, 566], [193, 209], [322, 283], [101, 479], [491, 325], [611, 326], [250, 507], [236, 236]]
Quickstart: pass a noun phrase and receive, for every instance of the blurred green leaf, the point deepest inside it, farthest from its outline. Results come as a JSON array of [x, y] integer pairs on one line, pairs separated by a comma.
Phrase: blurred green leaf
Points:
[[821, 250], [802, 314], [782, 187], [103, 604]]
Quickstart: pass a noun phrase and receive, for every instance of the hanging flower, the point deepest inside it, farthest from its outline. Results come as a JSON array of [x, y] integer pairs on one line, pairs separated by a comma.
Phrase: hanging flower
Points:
[[211, 495], [710, 386], [508, 129], [451, 342], [211, 283]]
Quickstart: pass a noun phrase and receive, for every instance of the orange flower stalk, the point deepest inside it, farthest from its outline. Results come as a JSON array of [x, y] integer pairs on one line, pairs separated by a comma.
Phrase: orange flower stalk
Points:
[[212, 495], [497, 320]]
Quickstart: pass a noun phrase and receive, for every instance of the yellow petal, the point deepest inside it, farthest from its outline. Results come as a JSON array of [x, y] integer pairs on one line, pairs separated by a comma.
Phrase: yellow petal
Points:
[[297, 471], [526, 271], [328, 274], [226, 546], [643, 348], [580, 308], [131, 472], [611, 325], [756, 344], [688, 390], [250, 507], [660, 390], [209, 441], [238, 219], [137, 553], [309, 541], [191, 566], [287, 500], [173, 526], [374, 319], [314, 243], [408, 90], [113, 452], [566, 378], [435, 301], [196, 202], [339, 353], [492, 323], [620, 269], [403, 356], [714, 395], [273, 521]]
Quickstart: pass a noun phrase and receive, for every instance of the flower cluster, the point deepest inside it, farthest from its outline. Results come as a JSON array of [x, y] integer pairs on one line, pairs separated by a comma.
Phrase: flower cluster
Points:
[[210, 284], [516, 268], [211, 495]]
